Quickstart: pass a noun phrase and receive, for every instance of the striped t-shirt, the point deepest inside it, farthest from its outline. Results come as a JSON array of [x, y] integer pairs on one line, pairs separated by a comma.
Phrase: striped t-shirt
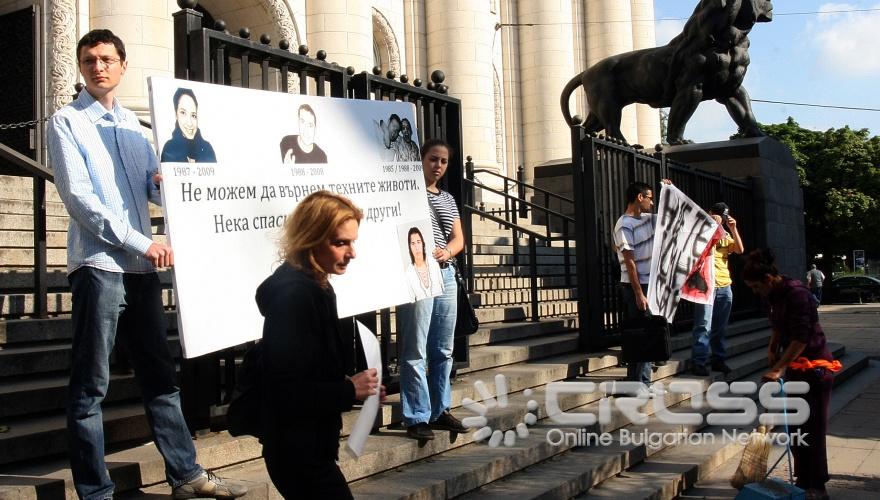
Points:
[[443, 205], [636, 234]]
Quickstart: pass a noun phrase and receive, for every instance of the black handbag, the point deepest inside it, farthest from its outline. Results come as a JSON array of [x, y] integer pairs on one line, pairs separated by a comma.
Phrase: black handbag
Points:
[[646, 338], [466, 321], [244, 415]]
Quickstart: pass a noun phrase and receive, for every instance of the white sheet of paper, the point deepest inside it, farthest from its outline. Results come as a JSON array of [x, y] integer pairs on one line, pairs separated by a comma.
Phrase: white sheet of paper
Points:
[[364, 424]]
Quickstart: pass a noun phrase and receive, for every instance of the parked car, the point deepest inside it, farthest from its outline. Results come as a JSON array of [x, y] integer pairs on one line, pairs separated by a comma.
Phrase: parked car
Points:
[[852, 289]]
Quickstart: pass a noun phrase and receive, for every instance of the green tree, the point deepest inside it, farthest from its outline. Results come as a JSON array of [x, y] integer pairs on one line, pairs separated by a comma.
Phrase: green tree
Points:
[[839, 171]]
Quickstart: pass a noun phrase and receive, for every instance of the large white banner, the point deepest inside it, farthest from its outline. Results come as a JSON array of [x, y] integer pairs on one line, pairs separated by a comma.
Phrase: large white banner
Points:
[[235, 163], [681, 236]]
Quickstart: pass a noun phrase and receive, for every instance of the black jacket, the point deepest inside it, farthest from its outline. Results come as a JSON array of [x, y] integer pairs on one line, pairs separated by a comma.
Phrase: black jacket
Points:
[[306, 359], [182, 150]]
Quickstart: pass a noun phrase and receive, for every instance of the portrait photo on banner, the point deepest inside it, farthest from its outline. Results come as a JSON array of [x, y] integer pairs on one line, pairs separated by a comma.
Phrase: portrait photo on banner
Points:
[[239, 160], [422, 271]]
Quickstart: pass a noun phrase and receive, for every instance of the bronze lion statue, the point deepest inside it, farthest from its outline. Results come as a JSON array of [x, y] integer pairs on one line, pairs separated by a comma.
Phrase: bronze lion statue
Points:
[[707, 60]]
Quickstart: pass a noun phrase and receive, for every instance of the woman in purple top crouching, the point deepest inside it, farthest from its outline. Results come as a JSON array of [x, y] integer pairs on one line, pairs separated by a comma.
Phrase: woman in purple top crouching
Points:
[[797, 351]]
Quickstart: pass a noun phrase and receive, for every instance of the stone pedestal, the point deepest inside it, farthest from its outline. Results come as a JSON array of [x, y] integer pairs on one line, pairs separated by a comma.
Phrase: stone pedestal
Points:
[[778, 198]]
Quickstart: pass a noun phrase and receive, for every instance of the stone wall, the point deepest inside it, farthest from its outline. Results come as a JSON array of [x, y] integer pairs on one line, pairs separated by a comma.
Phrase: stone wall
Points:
[[778, 196]]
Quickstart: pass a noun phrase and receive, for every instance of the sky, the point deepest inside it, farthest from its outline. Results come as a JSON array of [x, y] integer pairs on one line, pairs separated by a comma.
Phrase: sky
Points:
[[830, 59]]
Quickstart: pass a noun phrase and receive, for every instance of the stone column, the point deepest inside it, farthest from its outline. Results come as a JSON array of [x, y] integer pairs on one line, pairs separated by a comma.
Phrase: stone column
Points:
[[344, 29], [610, 32], [148, 32], [643, 38], [508, 38], [63, 67], [459, 36], [546, 63], [414, 40]]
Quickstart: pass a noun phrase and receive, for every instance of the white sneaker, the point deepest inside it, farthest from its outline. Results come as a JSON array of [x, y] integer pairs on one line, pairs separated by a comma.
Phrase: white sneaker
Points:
[[657, 391], [643, 393]]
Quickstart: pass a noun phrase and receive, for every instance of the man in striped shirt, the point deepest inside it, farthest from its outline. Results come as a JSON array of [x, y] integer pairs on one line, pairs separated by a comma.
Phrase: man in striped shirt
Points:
[[105, 172], [633, 241]]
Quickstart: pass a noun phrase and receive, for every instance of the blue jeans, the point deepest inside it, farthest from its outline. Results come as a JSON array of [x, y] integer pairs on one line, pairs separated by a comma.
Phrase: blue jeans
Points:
[[107, 304], [426, 329], [636, 372], [710, 325]]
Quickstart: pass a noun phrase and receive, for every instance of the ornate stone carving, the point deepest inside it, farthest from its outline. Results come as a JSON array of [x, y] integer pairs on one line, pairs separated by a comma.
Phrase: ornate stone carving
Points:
[[386, 40], [280, 11], [62, 27]]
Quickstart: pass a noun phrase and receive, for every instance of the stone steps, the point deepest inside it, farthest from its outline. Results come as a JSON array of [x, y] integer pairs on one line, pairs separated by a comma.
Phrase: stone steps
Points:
[[45, 365], [53, 359], [22, 279], [17, 305], [19, 222], [667, 475], [458, 469], [26, 207], [522, 296], [18, 257], [530, 374], [520, 271], [488, 228], [717, 484], [31, 360], [507, 241], [27, 193], [494, 282], [522, 260], [568, 472], [523, 250], [25, 239]]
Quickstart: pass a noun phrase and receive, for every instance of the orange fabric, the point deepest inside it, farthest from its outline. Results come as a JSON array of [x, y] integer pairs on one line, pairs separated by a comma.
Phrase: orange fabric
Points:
[[804, 364]]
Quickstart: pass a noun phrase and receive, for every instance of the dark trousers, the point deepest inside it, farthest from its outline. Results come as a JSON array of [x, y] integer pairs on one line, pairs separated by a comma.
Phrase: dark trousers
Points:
[[296, 479], [811, 460]]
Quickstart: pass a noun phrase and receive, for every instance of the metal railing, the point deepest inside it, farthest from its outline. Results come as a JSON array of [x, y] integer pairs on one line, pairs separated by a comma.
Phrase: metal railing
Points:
[[18, 164], [602, 170], [516, 209]]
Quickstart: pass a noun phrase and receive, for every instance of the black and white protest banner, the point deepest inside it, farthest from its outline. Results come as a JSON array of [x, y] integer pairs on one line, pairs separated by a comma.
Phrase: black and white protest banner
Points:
[[235, 163], [681, 236]]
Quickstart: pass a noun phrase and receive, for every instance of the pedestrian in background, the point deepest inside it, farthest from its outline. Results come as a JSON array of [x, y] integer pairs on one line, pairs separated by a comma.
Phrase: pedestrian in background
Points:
[[815, 281]]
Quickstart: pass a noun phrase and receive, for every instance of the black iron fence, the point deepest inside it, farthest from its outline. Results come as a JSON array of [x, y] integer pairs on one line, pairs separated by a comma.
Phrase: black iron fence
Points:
[[216, 56], [602, 169], [514, 217]]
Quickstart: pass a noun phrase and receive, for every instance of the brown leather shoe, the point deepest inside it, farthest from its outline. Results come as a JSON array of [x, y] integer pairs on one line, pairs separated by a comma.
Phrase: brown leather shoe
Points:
[[446, 422], [420, 431]]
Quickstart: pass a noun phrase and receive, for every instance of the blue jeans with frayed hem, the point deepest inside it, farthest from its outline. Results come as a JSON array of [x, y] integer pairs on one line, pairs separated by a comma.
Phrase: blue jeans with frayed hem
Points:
[[426, 330]]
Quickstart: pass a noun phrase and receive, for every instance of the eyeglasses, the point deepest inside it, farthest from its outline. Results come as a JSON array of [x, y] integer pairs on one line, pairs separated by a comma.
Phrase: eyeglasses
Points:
[[105, 62]]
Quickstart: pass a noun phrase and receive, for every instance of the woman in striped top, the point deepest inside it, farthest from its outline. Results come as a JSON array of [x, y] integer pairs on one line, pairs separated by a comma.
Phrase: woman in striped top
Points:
[[427, 327]]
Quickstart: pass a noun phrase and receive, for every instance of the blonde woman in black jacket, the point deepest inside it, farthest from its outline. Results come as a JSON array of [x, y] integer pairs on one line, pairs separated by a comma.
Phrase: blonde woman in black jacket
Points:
[[306, 358]]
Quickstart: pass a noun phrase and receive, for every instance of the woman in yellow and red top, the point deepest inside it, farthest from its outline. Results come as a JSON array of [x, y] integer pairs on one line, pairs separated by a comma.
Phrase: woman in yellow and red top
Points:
[[797, 351]]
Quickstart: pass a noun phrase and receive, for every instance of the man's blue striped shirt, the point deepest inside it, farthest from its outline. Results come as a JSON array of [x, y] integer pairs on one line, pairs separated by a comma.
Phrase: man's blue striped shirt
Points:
[[103, 167]]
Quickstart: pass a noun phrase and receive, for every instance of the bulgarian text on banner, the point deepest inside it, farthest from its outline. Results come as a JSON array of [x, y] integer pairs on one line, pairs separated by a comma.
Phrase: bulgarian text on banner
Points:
[[235, 163]]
